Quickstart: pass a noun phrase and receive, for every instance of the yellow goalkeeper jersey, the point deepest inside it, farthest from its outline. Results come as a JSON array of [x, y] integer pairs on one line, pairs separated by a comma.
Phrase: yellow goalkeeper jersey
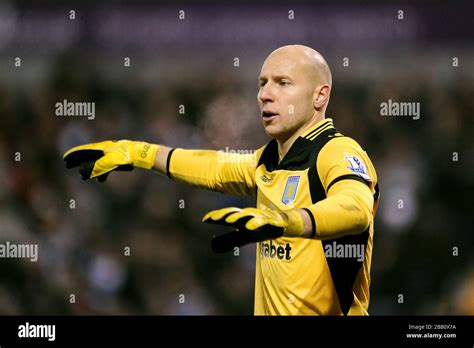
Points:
[[296, 276]]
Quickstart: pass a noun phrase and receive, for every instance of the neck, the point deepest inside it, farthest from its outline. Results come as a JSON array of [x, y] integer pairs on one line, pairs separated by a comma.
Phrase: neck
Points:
[[285, 144]]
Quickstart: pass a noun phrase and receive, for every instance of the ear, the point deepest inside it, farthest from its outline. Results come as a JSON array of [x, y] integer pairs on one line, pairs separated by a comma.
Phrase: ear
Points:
[[321, 96]]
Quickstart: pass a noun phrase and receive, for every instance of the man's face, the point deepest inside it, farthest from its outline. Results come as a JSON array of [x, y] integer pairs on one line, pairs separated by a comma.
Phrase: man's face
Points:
[[286, 95]]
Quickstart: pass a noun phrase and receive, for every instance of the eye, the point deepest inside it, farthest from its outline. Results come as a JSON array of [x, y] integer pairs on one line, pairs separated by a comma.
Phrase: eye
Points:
[[284, 83], [262, 83]]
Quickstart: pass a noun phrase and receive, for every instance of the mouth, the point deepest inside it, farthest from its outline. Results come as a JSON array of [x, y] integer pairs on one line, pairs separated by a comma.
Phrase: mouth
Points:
[[269, 115]]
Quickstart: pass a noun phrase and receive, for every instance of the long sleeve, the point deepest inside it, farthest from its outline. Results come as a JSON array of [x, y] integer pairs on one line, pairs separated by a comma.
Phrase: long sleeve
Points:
[[230, 173], [346, 210], [350, 182]]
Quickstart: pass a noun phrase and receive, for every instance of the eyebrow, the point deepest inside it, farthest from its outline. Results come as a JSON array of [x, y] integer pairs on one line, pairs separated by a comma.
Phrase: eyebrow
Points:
[[275, 77]]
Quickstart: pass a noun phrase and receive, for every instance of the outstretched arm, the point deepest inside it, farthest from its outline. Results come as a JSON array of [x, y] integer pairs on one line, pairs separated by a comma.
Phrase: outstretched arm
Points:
[[230, 173], [213, 170]]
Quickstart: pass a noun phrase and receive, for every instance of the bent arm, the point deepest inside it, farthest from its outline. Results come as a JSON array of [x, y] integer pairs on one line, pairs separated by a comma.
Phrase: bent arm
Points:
[[349, 178], [346, 210]]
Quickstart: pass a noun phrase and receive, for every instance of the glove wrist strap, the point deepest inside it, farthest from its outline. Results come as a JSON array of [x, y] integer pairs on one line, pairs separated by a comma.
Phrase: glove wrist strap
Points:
[[144, 155]]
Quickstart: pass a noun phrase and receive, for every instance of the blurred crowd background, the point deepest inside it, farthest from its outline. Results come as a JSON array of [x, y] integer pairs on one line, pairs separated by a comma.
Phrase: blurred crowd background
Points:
[[135, 245]]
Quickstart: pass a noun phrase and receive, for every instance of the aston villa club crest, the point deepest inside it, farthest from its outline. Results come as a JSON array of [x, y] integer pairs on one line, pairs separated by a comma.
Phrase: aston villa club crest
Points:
[[289, 193]]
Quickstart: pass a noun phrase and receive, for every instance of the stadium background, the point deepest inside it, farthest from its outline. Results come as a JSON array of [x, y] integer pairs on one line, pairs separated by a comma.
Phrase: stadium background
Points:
[[191, 62]]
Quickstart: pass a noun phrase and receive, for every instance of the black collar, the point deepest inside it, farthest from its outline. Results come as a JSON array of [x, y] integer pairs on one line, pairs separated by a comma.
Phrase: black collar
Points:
[[299, 152], [296, 155]]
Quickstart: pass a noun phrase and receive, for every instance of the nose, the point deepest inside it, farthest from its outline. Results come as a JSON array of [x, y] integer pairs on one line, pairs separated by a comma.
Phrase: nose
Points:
[[265, 94]]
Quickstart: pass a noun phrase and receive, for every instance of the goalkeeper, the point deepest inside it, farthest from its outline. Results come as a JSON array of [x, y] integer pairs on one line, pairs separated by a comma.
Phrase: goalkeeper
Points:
[[316, 192]]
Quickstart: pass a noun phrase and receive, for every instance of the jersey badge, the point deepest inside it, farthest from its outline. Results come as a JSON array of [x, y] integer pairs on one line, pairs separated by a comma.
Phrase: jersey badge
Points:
[[289, 193], [358, 167]]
